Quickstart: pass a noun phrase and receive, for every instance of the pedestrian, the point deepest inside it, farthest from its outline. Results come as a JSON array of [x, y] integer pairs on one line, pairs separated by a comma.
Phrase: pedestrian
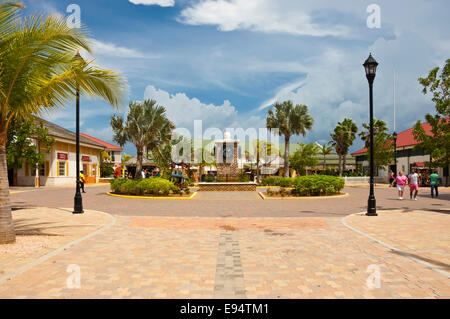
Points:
[[434, 183], [82, 181], [391, 178], [413, 184], [401, 180]]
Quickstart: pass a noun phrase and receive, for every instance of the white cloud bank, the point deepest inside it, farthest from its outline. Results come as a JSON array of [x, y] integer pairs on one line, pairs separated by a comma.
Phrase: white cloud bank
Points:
[[113, 50], [257, 15], [162, 3]]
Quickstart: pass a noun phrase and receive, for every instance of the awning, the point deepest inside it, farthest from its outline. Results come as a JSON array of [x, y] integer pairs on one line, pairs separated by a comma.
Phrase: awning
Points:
[[418, 164]]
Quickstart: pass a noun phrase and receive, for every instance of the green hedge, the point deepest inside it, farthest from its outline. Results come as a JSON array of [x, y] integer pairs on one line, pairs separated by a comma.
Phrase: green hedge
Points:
[[149, 186], [278, 181], [318, 185]]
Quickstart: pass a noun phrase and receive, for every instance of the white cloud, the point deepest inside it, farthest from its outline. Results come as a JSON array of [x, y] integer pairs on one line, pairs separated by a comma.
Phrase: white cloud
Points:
[[110, 49], [162, 3], [183, 110], [258, 15]]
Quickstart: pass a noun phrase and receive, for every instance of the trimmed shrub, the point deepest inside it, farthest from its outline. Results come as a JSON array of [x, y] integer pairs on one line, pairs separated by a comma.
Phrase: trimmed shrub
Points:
[[318, 185], [209, 179], [278, 181], [149, 186]]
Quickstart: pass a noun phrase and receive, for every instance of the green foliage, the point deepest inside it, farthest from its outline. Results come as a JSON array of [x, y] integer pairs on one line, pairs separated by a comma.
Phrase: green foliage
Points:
[[209, 178], [20, 146], [342, 138], [106, 170], [439, 86], [146, 126], [245, 178], [126, 157], [382, 144], [154, 186], [277, 181], [289, 120], [304, 157], [318, 185], [437, 145]]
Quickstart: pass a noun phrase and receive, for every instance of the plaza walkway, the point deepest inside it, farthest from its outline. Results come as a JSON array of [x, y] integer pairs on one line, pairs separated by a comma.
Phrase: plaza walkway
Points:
[[240, 246]]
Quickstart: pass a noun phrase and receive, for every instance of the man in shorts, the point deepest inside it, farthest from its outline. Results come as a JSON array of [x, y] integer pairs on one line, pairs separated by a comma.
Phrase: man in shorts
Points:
[[413, 184]]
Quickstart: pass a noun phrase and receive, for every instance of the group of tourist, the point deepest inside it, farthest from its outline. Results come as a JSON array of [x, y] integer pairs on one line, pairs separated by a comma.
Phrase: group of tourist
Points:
[[413, 180]]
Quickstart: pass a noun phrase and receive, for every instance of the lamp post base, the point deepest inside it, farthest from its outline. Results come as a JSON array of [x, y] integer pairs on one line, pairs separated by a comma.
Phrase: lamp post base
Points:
[[371, 207], [78, 204]]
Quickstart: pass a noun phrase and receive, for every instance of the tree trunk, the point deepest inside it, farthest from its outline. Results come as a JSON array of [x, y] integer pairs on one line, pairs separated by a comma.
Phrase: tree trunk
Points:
[[340, 165], [345, 162], [7, 232], [324, 162], [286, 156], [139, 157]]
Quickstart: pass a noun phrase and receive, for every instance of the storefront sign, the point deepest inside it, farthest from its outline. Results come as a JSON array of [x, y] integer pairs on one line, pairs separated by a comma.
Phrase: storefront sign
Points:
[[86, 158], [63, 156]]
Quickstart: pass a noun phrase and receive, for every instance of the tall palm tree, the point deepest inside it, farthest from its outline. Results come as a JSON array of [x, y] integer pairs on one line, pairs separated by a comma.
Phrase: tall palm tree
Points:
[[146, 126], [325, 150], [289, 120], [343, 137], [39, 73]]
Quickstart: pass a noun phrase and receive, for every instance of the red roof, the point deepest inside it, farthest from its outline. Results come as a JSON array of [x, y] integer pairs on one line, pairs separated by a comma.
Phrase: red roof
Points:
[[107, 145], [405, 138]]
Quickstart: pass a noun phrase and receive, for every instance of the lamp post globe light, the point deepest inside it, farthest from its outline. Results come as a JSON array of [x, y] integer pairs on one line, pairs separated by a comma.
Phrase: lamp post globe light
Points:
[[78, 200], [394, 135], [370, 67]]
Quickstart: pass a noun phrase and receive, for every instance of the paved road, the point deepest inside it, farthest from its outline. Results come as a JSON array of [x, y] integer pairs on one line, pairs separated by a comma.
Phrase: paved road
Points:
[[208, 204], [149, 254]]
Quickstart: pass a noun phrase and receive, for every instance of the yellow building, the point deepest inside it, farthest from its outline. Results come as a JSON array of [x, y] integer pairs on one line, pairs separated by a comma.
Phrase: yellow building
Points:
[[59, 167]]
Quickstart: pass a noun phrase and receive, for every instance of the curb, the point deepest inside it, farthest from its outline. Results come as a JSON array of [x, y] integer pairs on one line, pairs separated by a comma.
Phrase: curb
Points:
[[41, 259], [150, 197], [302, 197], [400, 252]]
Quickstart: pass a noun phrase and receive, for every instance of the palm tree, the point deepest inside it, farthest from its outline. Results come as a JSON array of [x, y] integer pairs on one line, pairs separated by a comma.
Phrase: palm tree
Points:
[[325, 150], [146, 126], [39, 73], [261, 149], [379, 126], [343, 137], [289, 120]]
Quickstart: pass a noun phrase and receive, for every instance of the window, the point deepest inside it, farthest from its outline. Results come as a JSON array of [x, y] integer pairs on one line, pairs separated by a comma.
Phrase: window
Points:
[[41, 171], [62, 168]]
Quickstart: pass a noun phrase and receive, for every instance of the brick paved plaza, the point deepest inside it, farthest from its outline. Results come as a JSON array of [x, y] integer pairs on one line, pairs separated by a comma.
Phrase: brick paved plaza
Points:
[[230, 245]]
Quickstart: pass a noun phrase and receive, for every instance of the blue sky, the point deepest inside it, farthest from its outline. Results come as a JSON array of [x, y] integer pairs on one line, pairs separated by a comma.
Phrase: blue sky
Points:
[[226, 61]]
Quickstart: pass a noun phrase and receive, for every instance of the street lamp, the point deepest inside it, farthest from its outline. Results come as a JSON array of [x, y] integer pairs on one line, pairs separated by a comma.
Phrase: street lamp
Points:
[[78, 201], [395, 153], [370, 67]]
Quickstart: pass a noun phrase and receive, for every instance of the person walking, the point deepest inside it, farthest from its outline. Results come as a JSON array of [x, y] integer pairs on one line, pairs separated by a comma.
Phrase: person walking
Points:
[[391, 178], [82, 181], [413, 184], [434, 183], [401, 180]]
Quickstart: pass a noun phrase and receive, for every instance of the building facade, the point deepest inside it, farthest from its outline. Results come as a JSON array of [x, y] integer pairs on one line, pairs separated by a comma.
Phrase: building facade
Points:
[[114, 151], [59, 167], [408, 158]]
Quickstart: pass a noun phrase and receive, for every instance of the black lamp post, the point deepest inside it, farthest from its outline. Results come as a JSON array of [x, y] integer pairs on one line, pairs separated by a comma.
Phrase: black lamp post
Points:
[[78, 201], [370, 67], [395, 153]]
